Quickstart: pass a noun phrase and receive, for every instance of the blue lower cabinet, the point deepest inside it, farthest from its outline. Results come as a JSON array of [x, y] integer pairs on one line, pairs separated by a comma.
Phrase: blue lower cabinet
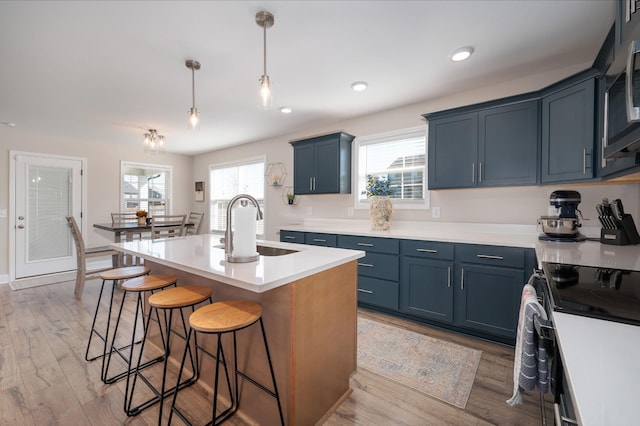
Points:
[[426, 288], [488, 298], [318, 239], [292, 237], [378, 265], [376, 292]]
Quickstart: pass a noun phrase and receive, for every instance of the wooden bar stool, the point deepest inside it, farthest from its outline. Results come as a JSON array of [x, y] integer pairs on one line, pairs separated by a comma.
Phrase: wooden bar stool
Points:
[[168, 300], [138, 286], [220, 318], [114, 275]]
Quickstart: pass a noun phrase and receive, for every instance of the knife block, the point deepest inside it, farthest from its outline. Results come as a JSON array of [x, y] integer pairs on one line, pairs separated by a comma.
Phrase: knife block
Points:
[[626, 234]]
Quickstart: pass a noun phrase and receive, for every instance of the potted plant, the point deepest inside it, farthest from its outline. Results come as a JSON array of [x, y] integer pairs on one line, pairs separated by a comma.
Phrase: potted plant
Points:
[[379, 191], [291, 197], [142, 217]]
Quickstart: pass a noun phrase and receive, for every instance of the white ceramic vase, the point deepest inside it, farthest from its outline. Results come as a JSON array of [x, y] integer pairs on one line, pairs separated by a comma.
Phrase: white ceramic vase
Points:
[[380, 213]]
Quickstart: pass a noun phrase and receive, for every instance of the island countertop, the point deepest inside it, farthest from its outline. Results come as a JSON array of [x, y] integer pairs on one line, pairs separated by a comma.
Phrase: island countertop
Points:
[[202, 255]]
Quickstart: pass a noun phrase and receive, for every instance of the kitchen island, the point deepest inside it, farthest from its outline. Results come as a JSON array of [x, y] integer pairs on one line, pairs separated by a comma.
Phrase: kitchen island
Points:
[[309, 306]]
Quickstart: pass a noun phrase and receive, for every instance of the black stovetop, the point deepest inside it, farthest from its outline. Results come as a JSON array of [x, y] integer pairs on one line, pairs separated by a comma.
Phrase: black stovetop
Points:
[[605, 293]]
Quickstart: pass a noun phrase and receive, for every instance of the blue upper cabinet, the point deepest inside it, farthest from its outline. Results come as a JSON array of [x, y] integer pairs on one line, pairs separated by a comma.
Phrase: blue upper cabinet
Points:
[[487, 145], [322, 165], [453, 150], [568, 130]]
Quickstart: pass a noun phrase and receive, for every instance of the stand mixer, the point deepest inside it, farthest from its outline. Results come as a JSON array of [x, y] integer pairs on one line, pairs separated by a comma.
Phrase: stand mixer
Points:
[[565, 225]]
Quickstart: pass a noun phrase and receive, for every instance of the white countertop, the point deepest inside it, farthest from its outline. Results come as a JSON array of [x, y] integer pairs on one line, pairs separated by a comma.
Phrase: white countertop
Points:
[[602, 365], [199, 255]]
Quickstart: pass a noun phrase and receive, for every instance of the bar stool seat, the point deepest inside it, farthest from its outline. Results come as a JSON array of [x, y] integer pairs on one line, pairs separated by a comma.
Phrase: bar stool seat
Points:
[[220, 318], [113, 275], [138, 286], [167, 300]]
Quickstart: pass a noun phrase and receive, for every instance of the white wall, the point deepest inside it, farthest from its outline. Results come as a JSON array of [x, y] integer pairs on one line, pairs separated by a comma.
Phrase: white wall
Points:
[[103, 178], [521, 205]]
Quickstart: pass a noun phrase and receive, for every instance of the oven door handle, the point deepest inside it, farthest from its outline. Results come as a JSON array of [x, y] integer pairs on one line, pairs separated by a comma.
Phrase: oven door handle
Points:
[[544, 328], [560, 419]]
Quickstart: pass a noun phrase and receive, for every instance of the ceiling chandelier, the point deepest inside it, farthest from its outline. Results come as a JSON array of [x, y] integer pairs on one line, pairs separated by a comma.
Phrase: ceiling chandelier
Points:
[[193, 65], [265, 20], [153, 141]]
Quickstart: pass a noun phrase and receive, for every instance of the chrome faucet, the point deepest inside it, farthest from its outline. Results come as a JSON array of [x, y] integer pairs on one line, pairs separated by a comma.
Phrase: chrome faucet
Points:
[[228, 233]]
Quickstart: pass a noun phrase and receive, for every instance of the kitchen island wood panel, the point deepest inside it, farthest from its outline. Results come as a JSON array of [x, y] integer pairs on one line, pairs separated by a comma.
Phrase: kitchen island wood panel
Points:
[[311, 328]]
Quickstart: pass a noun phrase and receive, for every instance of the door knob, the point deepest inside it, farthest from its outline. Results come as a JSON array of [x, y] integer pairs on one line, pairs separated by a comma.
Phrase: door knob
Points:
[[21, 217], [21, 226]]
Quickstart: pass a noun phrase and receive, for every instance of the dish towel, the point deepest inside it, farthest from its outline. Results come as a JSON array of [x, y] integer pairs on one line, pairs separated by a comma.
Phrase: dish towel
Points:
[[531, 363]]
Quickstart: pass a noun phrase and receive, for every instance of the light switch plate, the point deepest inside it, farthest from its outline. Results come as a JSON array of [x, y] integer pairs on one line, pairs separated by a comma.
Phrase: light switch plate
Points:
[[3, 212], [435, 212]]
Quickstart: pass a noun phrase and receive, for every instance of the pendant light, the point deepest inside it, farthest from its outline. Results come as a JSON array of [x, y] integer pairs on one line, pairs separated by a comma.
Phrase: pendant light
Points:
[[265, 20], [194, 118]]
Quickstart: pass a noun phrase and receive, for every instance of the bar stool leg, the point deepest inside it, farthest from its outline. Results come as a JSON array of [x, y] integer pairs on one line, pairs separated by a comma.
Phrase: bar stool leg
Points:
[[93, 327], [273, 376]]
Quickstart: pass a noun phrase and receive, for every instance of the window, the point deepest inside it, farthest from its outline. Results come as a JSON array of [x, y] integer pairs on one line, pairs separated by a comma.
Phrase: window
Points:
[[227, 181], [145, 187], [399, 156]]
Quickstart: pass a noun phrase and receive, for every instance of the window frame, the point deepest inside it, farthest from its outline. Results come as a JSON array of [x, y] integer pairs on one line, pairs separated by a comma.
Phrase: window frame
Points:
[[124, 164], [237, 163], [381, 138]]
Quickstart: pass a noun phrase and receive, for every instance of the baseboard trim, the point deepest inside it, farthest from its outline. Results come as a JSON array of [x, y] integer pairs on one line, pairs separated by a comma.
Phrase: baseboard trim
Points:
[[4, 279], [60, 277]]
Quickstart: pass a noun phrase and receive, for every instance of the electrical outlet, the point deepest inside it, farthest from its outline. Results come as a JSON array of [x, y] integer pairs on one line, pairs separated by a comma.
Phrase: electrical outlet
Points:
[[435, 212]]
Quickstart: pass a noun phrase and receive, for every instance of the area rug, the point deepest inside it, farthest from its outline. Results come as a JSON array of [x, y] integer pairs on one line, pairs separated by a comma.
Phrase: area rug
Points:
[[435, 367]]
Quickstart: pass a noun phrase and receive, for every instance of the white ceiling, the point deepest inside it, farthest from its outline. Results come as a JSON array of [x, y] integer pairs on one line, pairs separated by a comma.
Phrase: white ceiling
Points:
[[107, 71]]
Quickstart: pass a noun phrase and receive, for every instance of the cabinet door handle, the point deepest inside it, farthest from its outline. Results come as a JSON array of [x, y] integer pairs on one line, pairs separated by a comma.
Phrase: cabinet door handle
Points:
[[489, 256], [366, 265], [584, 161], [362, 290], [480, 172], [365, 244], [289, 237], [473, 172], [310, 184], [462, 280], [449, 277], [427, 250], [319, 240], [314, 183]]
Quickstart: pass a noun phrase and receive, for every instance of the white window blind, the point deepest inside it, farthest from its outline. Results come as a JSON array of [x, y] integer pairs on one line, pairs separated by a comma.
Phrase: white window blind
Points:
[[229, 180], [401, 158], [145, 187]]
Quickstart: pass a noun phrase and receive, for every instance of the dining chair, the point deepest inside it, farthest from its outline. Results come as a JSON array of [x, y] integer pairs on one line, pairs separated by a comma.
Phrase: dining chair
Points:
[[167, 226], [83, 253], [196, 219], [120, 218]]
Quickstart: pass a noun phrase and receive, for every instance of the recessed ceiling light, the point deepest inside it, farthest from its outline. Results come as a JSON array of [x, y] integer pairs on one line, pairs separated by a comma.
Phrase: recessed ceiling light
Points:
[[461, 54], [286, 110], [359, 86], [8, 123]]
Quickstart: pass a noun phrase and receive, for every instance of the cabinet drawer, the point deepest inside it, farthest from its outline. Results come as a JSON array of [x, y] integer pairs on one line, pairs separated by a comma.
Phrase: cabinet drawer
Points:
[[369, 244], [292, 237], [427, 249], [317, 239], [491, 255], [384, 266], [373, 291]]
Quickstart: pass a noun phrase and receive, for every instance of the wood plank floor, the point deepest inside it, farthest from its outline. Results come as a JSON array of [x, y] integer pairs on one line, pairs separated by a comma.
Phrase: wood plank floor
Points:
[[44, 379]]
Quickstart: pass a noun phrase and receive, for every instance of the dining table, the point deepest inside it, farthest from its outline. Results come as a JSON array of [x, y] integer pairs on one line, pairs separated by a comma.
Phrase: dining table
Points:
[[128, 230]]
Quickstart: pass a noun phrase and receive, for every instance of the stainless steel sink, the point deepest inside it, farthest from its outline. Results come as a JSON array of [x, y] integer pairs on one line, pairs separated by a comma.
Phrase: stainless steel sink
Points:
[[267, 251], [274, 251]]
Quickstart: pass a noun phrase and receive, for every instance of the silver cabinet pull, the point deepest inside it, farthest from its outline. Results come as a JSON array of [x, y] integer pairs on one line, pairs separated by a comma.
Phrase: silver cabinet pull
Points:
[[362, 290], [488, 256], [449, 277], [289, 237], [427, 250], [314, 183], [584, 161], [480, 172], [310, 184], [462, 280], [366, 265], [365, 244], [319, 240], [473, 172]]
